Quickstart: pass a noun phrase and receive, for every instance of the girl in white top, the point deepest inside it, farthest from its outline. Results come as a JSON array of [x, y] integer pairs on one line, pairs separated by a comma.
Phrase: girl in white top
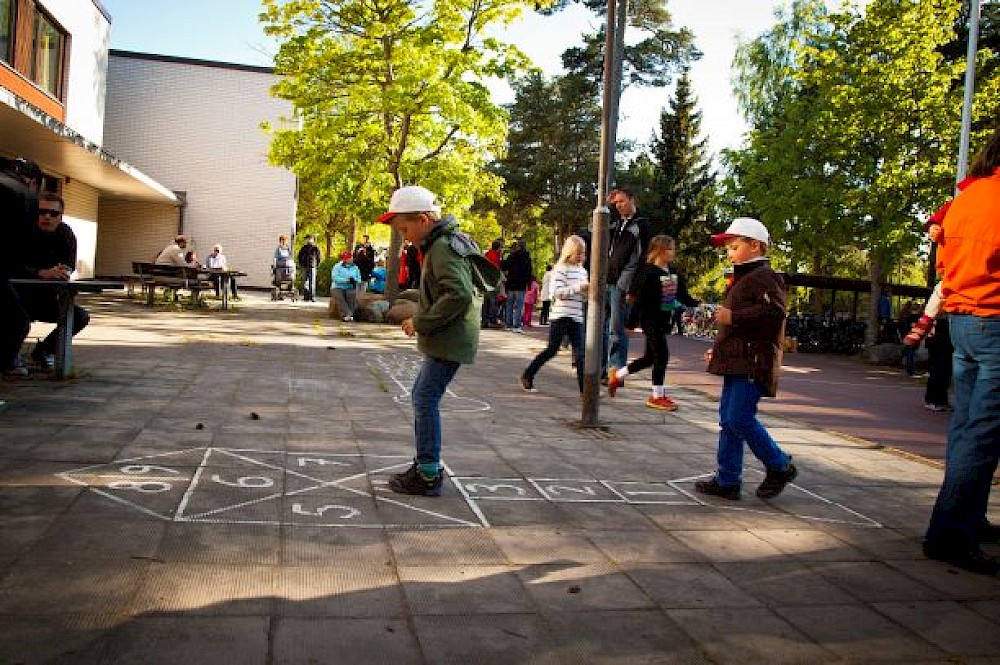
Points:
[[568, 290]]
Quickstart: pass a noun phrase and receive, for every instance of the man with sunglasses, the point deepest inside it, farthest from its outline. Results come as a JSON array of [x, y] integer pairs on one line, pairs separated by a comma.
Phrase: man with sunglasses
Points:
[[51, 255]]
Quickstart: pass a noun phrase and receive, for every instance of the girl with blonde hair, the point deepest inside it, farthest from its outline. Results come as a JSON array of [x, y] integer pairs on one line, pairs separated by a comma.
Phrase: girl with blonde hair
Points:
[[568, 289]]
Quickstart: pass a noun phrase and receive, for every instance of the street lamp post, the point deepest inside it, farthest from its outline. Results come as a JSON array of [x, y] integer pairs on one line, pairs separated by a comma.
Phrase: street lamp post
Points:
[[599, 237]]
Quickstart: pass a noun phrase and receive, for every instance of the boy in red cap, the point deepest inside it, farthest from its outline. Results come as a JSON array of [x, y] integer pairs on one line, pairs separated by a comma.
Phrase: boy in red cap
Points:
[[747, 354]]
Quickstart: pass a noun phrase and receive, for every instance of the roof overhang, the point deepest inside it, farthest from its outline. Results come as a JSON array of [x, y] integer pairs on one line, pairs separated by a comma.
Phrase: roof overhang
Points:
[[27, 132]]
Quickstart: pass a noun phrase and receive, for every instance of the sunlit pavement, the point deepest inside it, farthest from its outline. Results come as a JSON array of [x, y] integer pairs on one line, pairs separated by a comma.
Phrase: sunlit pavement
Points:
[[212, 490]]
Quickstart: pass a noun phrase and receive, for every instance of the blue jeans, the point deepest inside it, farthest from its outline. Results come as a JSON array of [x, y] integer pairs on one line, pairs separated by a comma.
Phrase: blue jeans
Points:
[[563, 327], [309, 282], [514, 309], [973, 435], [738, 417], [618, 336], [428, 389]]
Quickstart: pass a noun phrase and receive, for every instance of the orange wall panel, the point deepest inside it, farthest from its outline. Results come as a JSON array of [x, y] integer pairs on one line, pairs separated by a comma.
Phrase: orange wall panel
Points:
[[27, 91]]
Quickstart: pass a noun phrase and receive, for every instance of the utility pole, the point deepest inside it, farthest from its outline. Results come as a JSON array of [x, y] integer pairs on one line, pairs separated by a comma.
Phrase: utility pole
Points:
[[614, 46], [963, 141]]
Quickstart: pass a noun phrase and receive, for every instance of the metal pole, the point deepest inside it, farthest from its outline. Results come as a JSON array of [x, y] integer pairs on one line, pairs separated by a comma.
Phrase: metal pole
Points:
[[963, 140], [970, 90], [599, 233]]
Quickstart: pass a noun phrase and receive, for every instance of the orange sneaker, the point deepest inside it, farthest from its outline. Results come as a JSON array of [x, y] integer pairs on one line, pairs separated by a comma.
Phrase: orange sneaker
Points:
[[614, 383], [662, 403]]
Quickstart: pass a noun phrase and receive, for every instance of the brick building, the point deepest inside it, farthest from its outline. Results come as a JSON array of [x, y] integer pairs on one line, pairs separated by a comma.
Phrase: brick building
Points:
[[141, 146]]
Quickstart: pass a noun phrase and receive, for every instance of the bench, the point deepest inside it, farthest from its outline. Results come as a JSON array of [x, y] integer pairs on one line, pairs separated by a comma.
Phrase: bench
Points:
[[66, 293], [171, 278]]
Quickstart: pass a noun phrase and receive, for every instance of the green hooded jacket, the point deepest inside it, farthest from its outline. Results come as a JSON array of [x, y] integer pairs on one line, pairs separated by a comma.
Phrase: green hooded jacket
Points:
[[453, 279]]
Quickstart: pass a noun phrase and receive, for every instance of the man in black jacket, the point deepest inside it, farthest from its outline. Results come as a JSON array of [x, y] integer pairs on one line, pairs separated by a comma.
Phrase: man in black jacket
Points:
[[309, 259], [364, 259], [518, 269], [19, 184], [629, 238], [51, 256]]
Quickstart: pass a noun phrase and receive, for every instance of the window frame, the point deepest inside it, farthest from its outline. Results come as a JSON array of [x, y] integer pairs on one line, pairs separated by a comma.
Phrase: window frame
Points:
[[44, 19], [11, 21]]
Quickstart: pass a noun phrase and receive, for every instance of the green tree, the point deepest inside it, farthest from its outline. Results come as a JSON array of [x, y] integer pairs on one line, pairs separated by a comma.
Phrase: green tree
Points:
[[390, 92], [683, 182]]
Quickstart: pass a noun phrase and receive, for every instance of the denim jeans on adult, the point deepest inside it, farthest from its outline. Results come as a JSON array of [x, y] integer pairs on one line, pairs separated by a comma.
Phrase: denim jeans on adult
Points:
[[565, 327], [738, 417], [973, 435], [514, 309], [428, 388], [309, 282], [618, 336]]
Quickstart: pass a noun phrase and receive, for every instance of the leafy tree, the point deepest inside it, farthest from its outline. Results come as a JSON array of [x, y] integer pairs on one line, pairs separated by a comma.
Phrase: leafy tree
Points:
[[855, 117], [683, 181], [390, 92]]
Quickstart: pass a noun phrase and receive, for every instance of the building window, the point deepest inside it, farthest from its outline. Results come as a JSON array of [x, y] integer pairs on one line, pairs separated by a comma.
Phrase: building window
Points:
[[47, 60], [7, 30]]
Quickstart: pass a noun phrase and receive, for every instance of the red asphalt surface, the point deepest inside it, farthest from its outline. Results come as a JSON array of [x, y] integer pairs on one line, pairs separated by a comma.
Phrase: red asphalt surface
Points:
[[835, 393]]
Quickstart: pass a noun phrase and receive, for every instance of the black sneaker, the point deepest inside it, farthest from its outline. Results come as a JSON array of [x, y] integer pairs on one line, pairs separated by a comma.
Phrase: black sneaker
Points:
[[528, 384], [44, 360], [412, 481], [775, 481], [975, 562], [989, 534], [713, 488]]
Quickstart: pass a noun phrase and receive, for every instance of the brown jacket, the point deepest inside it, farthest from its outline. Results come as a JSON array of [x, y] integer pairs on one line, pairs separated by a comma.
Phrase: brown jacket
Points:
[[751, 345]]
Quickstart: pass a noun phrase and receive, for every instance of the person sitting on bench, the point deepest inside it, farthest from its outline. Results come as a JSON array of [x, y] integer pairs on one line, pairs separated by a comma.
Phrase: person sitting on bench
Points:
[[51, 256]]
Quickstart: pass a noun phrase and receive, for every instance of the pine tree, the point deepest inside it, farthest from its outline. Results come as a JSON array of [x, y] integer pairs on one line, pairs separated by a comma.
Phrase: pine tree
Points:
[[683, 182]]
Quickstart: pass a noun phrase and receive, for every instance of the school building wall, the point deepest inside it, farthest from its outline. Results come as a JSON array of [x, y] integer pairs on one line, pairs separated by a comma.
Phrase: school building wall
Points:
[[194, 126]]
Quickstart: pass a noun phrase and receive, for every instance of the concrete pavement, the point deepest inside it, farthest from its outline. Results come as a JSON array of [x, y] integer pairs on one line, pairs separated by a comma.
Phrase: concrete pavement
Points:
[[212, 490]]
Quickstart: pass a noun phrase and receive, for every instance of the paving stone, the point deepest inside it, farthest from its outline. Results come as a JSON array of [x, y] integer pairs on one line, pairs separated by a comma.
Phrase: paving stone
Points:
[[653, 639], [44, 588], [532, 545], [859, 634], [464, 590], [457, 547], [727, 545], [688, 585], [952, 627], [782, 582], [167, 640], [810, 545], [874, 581], [642, 546], [360, 641], [505, 639], [748, 635], [55, 638], [575, 587], [337, 590], [206, 589]]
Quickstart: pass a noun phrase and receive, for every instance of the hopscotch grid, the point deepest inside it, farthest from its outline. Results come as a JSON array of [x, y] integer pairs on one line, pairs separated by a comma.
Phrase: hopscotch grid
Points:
[[554, 499], [472, 500], [192, 484], [473, 505]]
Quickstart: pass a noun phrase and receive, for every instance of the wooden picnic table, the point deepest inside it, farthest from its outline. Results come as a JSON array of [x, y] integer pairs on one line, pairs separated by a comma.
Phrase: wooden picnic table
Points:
[[65, 293], [224, 275]]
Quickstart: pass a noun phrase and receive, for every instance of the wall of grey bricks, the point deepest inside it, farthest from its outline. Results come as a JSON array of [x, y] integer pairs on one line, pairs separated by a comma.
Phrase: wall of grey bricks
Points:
[[195, 127]]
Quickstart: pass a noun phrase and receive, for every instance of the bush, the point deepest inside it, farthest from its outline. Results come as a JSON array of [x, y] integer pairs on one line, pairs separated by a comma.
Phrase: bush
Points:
[[323, 277]]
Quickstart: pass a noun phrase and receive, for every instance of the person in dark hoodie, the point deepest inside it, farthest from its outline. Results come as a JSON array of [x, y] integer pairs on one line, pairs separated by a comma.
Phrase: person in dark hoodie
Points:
[[629, 238], [20, 181], [519, 272]]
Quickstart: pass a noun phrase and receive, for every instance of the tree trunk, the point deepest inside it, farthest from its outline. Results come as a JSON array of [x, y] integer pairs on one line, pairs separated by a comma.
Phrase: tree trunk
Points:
[[877, 277], [392, 260]]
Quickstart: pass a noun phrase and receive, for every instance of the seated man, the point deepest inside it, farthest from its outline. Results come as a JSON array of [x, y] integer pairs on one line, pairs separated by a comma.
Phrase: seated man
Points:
[[51, 256], [173, 254]]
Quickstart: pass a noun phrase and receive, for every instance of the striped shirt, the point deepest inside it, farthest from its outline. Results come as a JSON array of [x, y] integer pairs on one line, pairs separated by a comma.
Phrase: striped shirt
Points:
[[567, 294]]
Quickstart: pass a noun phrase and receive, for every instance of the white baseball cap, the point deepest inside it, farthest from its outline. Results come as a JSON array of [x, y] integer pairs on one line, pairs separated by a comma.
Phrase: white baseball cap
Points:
[[411, 198], [742, 227]]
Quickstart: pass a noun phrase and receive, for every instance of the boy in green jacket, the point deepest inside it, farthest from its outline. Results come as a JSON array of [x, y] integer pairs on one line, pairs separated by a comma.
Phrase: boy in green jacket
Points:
[[453, 277]]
